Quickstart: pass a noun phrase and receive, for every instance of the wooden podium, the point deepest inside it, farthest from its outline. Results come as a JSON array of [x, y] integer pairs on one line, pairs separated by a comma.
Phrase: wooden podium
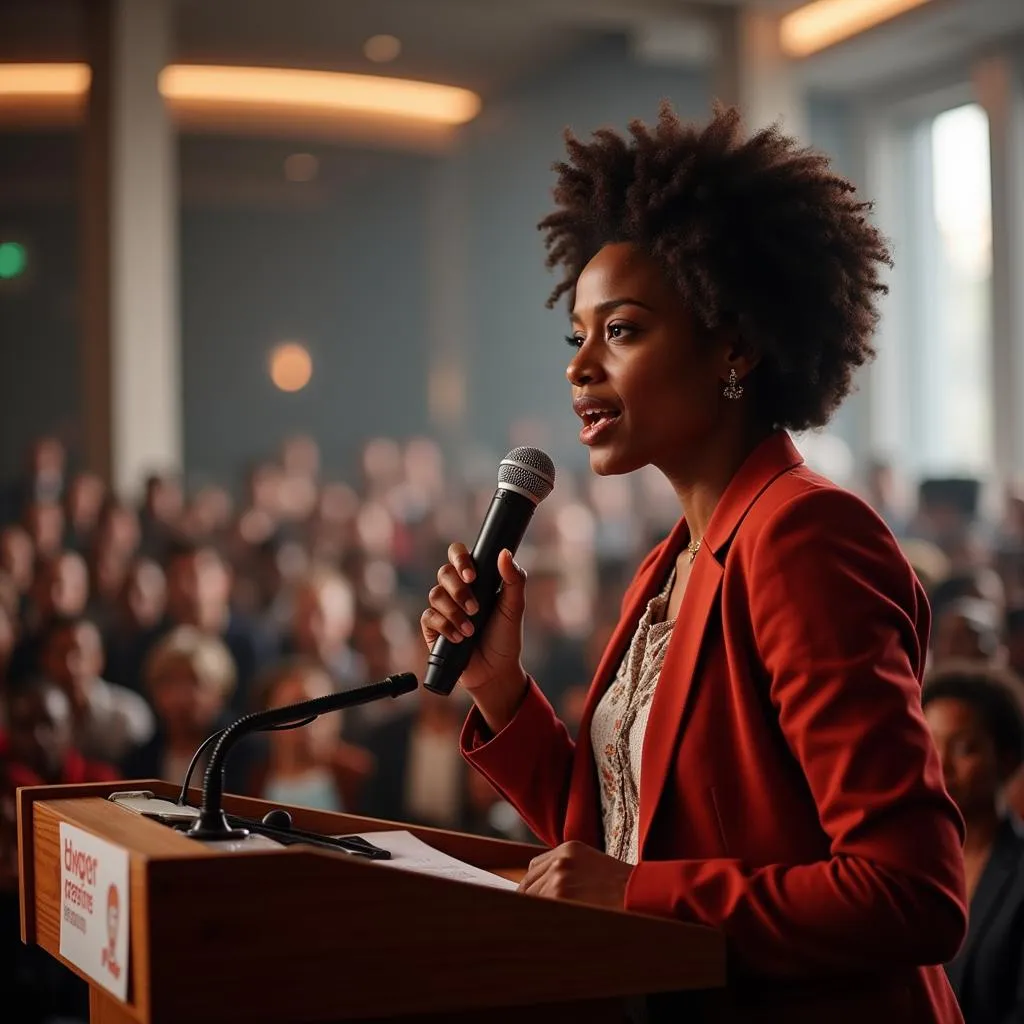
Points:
[[297, 935]]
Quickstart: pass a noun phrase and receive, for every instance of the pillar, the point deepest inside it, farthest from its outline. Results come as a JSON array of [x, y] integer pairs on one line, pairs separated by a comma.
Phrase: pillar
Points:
[[130, 334]]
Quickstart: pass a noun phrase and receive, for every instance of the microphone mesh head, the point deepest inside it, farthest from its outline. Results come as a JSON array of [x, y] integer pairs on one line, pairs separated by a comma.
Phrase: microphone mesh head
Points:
[[528, 469]]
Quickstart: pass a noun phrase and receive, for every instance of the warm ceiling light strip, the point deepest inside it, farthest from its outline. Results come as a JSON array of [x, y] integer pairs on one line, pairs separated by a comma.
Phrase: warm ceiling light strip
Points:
[[38, 81], [254, 89], [824, 22], [318, 91]]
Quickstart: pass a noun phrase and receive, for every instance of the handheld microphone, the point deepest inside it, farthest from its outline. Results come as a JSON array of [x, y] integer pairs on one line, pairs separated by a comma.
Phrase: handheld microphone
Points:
[[526, 477], [212, 823]]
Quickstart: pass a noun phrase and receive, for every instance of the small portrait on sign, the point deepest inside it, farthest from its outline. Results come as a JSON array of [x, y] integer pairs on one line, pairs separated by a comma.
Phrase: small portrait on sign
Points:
[[109, 957]]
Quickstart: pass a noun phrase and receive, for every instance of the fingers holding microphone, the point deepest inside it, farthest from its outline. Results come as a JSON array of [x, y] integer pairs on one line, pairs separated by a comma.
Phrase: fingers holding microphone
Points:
[[474, 622], [452, 604]]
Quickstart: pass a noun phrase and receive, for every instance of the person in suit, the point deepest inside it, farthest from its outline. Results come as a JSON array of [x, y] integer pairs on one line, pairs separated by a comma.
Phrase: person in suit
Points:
[[975, 714], [199, 594], [417, 779], [752, 754], [312, 766]]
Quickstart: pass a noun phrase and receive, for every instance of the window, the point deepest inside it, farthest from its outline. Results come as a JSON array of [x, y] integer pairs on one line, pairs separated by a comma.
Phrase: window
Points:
[[960, 434], [934, 368]]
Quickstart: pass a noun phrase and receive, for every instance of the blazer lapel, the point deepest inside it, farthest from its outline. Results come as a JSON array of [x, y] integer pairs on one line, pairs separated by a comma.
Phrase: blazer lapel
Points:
[[677, 684], [998, 874], [583, 814], [675, 687]]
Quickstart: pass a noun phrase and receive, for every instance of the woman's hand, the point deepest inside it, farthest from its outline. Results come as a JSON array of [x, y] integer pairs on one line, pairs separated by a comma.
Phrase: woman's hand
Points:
[[575, 871], [494, 676]]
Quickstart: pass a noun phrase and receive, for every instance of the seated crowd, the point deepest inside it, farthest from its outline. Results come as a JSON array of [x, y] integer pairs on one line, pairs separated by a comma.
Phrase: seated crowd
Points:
[[130, 634]]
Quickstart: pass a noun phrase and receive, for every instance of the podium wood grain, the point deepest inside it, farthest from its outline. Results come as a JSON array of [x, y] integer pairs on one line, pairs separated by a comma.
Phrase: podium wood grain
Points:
[[307, 935]]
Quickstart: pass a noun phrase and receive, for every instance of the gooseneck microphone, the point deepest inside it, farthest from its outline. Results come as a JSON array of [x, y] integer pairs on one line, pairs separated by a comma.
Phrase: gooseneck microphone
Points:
[[526, 477], [212, 823]]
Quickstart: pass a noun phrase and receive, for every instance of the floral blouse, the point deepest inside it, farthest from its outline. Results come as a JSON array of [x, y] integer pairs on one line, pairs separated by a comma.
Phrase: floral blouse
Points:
[[619, 723]]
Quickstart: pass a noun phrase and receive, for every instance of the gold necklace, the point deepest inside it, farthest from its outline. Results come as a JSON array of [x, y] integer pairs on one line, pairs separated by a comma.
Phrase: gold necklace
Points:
[[692, 548]]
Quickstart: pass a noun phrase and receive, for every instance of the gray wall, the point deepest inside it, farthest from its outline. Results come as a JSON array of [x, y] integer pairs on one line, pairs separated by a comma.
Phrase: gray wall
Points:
[[347, 277], [38, 313]]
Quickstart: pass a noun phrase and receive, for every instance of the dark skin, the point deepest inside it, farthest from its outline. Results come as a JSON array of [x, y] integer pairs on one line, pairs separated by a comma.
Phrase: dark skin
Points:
[[638, 355], [975, 772], [40, 731], [73, 658], [39, 737]]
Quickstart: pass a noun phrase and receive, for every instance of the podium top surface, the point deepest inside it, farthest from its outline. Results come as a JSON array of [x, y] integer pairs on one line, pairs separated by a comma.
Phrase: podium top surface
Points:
[[305, 934]]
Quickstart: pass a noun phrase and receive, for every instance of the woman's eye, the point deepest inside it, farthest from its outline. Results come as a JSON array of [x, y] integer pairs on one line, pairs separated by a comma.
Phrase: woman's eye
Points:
[[618, 330], [574, 340]]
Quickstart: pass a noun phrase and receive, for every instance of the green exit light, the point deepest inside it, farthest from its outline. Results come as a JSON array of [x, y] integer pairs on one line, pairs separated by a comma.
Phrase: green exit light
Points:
[[12, 259]]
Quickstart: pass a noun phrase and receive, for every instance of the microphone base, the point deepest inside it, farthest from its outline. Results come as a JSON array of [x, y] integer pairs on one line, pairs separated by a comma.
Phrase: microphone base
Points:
[[214, 828]]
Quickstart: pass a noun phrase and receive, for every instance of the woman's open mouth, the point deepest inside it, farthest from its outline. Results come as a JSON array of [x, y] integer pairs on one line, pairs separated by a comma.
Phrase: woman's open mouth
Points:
[[598, 420]]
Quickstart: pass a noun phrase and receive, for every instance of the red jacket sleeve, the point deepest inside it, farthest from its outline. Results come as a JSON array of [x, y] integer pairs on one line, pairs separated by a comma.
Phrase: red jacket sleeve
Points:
[[835, 613], [530, 758]]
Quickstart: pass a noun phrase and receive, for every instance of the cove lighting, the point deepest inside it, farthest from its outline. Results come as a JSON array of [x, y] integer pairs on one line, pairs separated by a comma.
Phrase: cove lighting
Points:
[[324, 91], [191, 88], [42, 80], [825, 22]]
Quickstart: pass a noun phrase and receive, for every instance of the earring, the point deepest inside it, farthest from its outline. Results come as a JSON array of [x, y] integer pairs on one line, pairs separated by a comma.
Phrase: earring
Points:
[[733, 388]]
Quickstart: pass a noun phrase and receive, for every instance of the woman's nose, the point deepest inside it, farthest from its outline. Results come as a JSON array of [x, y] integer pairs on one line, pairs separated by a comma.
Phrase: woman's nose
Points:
[[582, 368]]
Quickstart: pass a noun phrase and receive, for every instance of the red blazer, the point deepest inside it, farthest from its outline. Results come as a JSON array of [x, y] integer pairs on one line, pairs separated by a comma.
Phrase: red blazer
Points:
[[790, 794]]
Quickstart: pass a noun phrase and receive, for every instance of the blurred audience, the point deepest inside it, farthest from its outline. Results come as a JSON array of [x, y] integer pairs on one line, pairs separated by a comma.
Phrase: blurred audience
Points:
[[420, 775], [36, 748], [311, 766], [136, 622], [968, 628], [198, 594], [130, 634], [83, 505], [109, 720], [189, 678], [976, 718], [322, 623], [17, 558]]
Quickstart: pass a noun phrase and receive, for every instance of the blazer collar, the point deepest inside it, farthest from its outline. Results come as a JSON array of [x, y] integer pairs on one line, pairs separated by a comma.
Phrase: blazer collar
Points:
[[774, 456]]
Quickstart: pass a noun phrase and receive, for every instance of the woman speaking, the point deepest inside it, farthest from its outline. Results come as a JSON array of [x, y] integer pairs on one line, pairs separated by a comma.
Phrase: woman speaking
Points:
[[753, 755]]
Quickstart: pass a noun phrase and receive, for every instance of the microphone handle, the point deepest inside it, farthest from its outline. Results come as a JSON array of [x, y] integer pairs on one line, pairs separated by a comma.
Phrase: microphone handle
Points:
[[503, 527]]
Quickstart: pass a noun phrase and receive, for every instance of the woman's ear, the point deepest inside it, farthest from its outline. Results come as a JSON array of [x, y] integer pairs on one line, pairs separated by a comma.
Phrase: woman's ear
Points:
[[740, 351]]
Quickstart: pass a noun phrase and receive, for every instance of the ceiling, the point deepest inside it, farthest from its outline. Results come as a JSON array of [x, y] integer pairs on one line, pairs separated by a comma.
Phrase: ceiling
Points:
[[925, 41], [479, 44], [486, 44]]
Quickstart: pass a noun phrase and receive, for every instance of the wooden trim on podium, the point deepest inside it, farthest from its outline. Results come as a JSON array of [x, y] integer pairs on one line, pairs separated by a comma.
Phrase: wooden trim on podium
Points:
[[26, 861], [308, 935]]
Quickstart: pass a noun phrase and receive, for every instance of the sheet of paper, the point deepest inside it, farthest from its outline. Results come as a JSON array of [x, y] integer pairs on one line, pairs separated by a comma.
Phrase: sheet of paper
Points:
[[412, 854]]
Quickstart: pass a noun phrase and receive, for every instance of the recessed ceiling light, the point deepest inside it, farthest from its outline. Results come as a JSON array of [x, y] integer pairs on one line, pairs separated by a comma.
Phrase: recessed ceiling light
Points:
[[291, 366], [382, 49], [301, 167]]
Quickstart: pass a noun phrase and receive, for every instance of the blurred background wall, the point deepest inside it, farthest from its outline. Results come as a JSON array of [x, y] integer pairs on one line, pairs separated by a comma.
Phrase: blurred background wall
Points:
[[409, 266]]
